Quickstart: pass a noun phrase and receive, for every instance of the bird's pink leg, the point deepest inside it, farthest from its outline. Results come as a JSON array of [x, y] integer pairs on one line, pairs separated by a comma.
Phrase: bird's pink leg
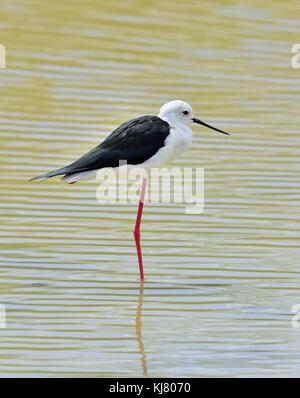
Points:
[[137, 233]]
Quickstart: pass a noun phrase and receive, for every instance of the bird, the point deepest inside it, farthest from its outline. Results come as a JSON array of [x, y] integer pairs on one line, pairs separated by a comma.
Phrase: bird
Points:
[[146, 141]]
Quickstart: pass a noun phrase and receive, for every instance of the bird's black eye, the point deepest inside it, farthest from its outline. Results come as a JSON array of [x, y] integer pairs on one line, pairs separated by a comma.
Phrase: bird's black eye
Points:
[[185, 112]]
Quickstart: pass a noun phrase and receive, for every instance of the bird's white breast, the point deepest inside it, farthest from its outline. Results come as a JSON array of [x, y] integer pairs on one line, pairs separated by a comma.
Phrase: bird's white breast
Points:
[[176, 143]]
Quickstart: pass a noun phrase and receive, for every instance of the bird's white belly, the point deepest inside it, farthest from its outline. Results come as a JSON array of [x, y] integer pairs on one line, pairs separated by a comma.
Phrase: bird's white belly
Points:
[[175, 144]]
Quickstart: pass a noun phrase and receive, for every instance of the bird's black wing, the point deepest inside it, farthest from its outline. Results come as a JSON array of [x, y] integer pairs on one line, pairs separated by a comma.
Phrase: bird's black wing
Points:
[[134, 142]]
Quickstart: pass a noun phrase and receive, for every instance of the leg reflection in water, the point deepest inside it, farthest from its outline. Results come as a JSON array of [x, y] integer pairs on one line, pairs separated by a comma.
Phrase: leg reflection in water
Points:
[[138, 330]]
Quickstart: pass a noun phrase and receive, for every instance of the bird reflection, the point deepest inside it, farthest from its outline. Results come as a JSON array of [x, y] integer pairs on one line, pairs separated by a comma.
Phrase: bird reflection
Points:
[[138, 330]]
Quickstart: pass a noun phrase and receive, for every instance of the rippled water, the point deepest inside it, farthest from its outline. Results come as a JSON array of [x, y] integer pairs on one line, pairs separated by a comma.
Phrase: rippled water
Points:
[[220, 285]]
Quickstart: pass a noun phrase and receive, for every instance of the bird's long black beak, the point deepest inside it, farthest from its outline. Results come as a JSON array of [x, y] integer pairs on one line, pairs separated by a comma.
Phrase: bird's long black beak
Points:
[[198, 121]]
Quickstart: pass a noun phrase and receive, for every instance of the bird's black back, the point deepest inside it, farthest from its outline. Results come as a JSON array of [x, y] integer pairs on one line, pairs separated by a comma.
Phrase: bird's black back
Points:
[[134, 142]]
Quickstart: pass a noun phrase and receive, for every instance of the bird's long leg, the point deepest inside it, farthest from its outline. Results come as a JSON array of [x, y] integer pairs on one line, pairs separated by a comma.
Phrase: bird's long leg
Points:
[[137, 232]]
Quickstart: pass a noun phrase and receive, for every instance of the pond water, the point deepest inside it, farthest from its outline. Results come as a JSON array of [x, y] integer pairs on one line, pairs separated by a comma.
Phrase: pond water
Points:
[[220, 286]]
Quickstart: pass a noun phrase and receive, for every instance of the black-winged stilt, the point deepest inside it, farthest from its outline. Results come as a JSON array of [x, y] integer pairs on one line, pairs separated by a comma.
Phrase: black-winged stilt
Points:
[[146, 141]]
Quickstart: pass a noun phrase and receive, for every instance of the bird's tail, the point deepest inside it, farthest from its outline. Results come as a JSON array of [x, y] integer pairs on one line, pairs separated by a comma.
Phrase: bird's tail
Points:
[[58, 172], [71, 178], [68, 176]]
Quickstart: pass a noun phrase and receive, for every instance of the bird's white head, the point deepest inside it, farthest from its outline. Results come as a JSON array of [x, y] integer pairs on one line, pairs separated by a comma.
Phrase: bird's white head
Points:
[[178, 113]]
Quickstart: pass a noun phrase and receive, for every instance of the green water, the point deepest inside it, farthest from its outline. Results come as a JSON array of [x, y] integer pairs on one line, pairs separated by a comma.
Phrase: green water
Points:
[[220, 285]]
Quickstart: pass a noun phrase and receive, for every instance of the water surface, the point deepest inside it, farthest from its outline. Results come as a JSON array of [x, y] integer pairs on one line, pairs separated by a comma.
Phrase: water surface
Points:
[[220, 285]]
